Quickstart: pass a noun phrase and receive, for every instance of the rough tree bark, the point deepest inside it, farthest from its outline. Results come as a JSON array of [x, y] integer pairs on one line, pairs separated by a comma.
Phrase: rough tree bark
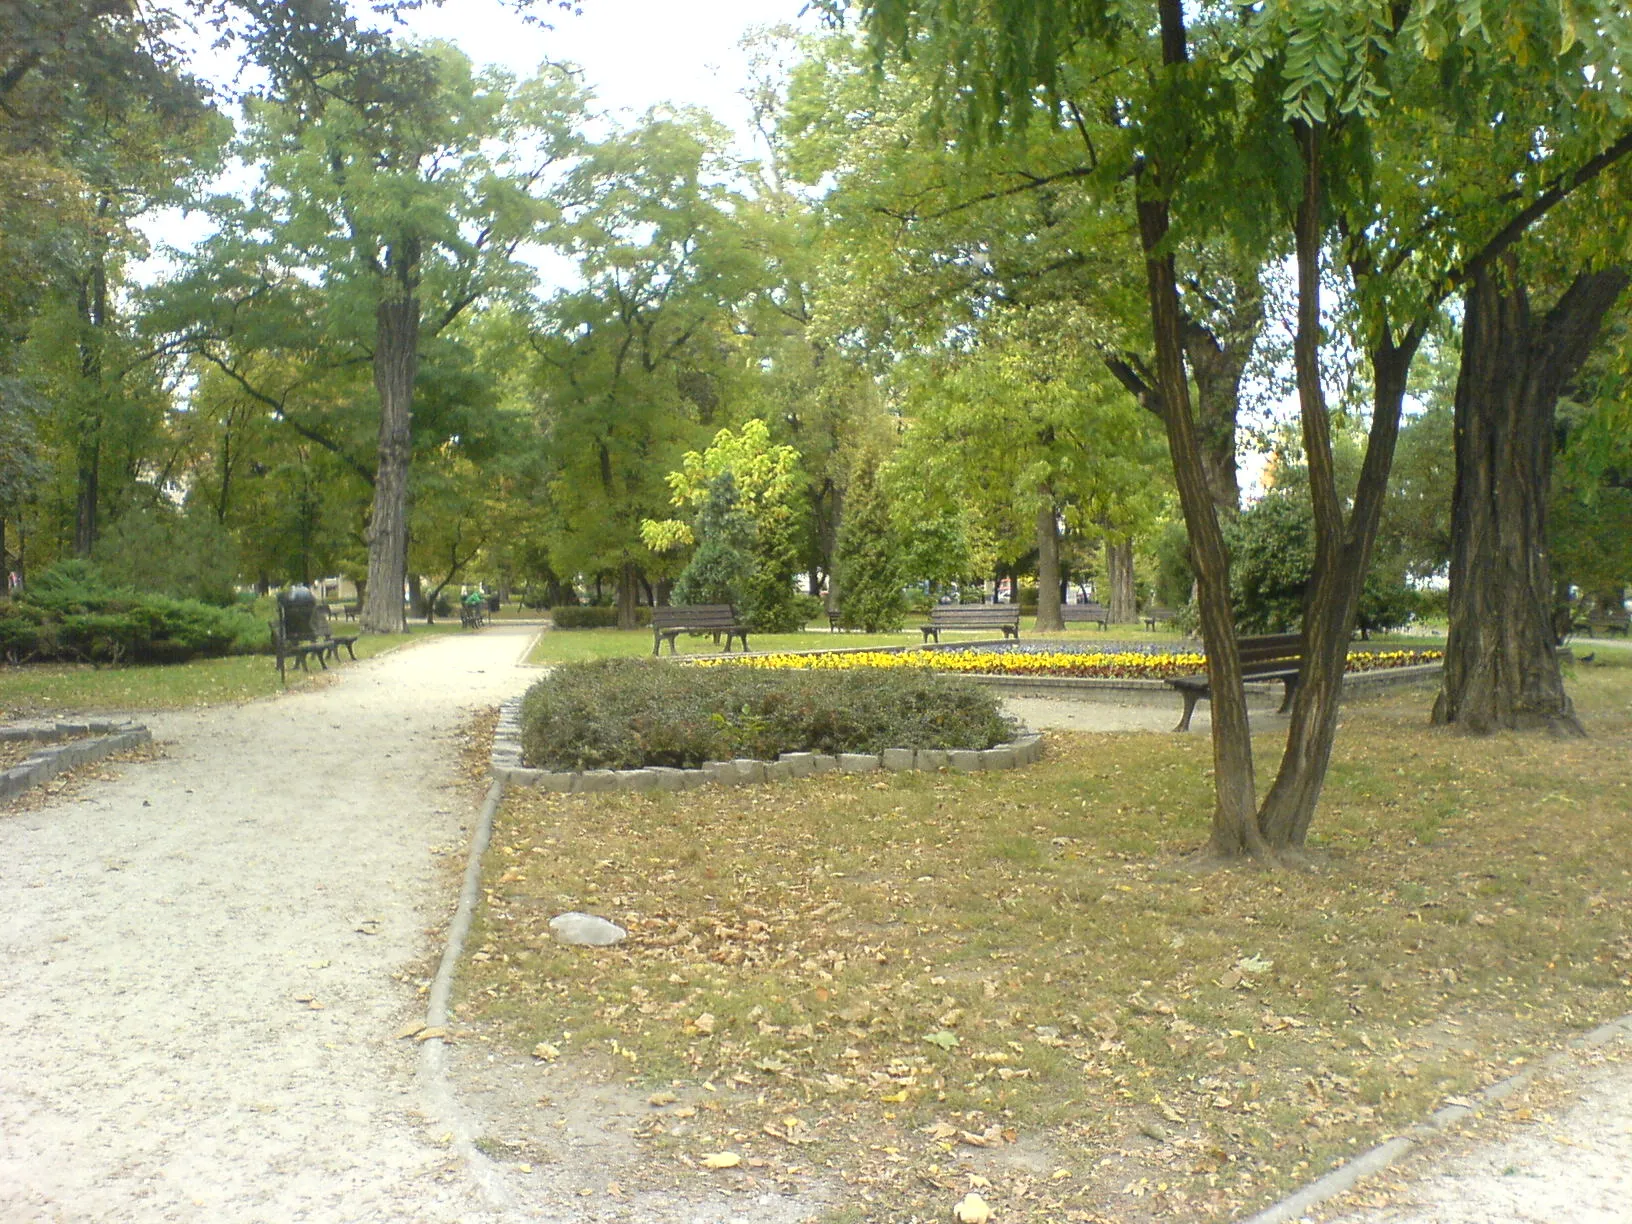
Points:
[[1049, 619], [93, 320], [396, 361], [1501, 671], [1235, 827], [628, 595], [1124, 603]]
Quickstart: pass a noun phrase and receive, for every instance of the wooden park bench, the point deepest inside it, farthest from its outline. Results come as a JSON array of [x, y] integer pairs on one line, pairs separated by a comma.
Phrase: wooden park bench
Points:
[[301, 632], [972, 616], [1271, 656], [1602, 624], [1083, 613], [671, 622], [352, 610], [1156, 616]]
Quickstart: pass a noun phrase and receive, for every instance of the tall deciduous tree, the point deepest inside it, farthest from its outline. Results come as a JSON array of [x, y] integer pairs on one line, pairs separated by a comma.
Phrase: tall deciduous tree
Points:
[[406, 184], [1322, 119]]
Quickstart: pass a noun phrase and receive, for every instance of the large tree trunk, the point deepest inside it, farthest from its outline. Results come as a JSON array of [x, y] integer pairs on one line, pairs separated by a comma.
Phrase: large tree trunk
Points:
[[1049, 619], [628, 595], [1501, 671], [1235, 827], [93, 321], [1342, 548], [1124, 603], [1218, 359], [396, 361]]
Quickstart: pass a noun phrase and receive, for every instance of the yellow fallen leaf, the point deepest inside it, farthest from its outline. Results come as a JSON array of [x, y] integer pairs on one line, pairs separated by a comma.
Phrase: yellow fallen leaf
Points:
[[721, 1160], [412, 1029], [662, 1098], [429, 1033], [546, 1051], [972, 1209], [705, 1024]]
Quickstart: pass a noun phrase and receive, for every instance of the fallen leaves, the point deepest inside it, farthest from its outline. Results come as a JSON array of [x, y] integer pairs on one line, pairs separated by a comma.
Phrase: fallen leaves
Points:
[[721, 1160], [972, 1209]]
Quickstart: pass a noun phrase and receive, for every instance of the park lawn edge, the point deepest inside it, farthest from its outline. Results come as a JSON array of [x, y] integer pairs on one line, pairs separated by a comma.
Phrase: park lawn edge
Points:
[[1287, 1020]]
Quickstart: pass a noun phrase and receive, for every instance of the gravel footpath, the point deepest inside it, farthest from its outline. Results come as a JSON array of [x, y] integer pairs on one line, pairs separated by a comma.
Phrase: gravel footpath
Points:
[[203, 963]]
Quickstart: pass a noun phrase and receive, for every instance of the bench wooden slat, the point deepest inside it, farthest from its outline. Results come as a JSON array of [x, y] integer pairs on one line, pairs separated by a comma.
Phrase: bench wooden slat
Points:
[[1085, 612], [1269, 656], [670, 622], [972, 616]]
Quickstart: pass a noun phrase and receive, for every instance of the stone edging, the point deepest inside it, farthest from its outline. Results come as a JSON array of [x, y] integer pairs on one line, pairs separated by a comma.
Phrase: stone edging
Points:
[[52, 760], [507, 766]]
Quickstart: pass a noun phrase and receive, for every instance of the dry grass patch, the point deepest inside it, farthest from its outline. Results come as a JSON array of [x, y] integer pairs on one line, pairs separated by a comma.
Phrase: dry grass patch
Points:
[[911, 985]]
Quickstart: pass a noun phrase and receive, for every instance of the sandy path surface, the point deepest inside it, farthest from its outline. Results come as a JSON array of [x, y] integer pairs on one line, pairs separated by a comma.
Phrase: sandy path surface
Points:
[[1557, 1152], [203, 963]]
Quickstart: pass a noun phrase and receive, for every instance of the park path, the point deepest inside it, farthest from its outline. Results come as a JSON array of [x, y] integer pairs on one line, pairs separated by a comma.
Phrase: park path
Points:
[[202, 964]]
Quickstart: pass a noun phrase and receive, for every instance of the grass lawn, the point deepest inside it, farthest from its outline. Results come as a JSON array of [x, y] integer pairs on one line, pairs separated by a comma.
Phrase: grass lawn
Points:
[[43, 688], [911, 985]]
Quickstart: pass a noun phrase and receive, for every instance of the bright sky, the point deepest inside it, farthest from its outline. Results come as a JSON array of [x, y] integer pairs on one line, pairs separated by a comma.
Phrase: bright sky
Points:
[[634, 55]]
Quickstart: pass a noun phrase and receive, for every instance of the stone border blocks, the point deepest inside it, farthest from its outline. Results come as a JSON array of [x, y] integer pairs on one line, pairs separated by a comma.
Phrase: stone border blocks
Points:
[[1024, 749], [54, 758]]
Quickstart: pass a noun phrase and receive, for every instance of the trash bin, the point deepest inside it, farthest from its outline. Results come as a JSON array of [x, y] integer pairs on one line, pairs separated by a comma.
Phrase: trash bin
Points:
[[298, 607], [493, 603]]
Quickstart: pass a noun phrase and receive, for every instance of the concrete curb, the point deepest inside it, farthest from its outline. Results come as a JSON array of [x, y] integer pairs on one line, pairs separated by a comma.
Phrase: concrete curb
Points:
[[433, 1052], [1391, 1151], [506, 764], [40, 767]]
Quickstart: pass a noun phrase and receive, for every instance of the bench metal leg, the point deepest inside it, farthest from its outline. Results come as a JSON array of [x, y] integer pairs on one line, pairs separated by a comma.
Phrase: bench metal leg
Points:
[[1291, 692], [1190, 700]]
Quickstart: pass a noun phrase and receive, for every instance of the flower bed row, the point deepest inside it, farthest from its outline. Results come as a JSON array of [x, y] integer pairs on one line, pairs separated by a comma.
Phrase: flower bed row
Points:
[[1117, 665]]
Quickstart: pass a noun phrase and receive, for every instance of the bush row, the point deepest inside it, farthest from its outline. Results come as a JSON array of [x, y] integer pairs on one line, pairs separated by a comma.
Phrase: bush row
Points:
[[593, 616], [626, 713], [70, 615]]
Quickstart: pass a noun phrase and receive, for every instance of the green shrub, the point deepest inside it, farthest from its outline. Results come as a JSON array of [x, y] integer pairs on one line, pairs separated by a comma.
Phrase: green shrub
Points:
[[158, 550], [71, 613], [626, 713], [593, 616]]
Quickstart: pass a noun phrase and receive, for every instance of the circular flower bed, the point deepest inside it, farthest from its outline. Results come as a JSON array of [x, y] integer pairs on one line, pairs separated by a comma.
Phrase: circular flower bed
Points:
[[1104, 665]]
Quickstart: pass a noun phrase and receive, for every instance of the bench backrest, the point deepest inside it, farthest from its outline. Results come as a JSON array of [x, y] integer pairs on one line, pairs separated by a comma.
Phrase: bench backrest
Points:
[[1085, 611], [1270, 650], [695, 616], [973, 616], [1160, 613]]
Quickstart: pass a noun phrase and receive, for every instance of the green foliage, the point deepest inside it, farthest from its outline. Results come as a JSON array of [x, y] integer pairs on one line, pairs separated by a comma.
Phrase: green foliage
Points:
[[1175, 576], [868, 563], [70, 612], [625, 713], [1272, 556], [185, 556], [589, 616]]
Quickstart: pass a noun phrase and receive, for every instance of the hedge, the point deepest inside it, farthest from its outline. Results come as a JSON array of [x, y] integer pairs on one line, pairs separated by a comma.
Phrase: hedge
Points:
[[125, 628], [592, 616], [627, 713]]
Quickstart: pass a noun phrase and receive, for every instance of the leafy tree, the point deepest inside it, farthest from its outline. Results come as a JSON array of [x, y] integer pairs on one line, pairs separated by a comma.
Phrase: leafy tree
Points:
[[636, 364], [1315, 127], [1272, 558], [868, 566], [757, 509], [405, 184]]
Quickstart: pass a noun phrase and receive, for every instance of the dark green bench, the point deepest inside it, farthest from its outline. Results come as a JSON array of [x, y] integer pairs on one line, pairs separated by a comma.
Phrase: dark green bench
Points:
[[669, 623], [1271, 656], [972, 616]]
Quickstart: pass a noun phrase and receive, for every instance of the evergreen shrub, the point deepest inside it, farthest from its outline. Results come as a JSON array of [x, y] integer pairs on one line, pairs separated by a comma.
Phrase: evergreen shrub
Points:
[[627, 713], [70, 613], [593, 616]]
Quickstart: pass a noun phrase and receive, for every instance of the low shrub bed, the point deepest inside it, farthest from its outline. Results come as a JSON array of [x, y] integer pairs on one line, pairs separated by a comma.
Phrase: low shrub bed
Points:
[[626, 713], [70, 615], [1107, 665], [591, 616]]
